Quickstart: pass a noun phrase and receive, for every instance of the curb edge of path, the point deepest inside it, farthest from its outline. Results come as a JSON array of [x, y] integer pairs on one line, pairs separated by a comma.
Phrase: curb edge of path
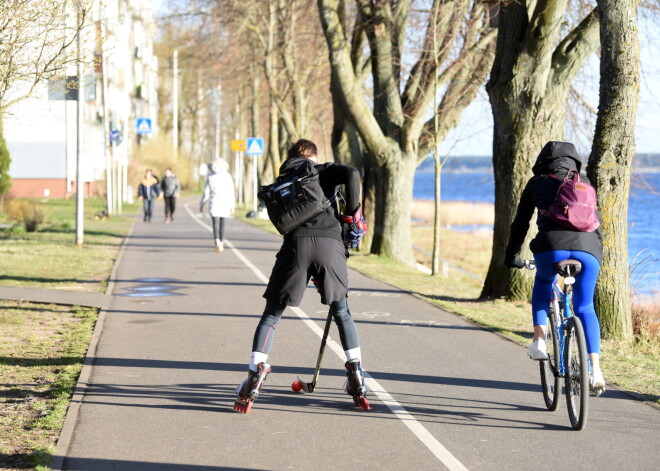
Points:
[[71, 418]]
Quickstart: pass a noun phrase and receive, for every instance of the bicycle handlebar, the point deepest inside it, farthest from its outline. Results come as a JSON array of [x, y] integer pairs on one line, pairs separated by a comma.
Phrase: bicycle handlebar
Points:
[[530, 264]]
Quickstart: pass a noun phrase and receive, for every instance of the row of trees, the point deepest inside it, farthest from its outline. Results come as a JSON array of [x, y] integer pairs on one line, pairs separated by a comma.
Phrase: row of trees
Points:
[[394, 77]]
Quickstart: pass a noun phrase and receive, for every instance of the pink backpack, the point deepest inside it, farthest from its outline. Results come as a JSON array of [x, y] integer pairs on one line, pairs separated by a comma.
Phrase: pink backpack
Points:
[[575, 205]]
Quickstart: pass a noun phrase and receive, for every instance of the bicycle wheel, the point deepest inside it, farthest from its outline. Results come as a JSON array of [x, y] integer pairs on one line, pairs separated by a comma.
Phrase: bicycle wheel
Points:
[[549, 368], [577, 374]]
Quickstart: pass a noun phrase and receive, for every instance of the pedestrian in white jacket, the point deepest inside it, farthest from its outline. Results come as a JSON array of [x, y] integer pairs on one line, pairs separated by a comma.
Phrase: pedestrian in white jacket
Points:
[[219, 193]]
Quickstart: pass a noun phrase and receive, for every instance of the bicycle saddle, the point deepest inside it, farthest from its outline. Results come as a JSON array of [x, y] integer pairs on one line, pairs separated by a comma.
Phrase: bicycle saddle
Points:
[[568, 267]]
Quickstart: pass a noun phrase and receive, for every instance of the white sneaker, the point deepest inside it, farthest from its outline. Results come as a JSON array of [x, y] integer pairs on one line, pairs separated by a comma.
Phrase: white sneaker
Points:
[[597, 382], [537, 350]]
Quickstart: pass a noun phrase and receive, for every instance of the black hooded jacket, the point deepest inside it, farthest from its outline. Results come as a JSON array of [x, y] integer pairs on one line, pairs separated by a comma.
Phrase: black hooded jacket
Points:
[[331, 176], [557, 159]]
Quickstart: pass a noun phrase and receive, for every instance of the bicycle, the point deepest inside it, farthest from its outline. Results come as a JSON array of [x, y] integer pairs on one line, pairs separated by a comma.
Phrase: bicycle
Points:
[[567, 349]]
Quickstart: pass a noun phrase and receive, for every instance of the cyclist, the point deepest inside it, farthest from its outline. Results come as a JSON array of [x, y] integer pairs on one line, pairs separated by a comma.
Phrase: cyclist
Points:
[[552, 244]]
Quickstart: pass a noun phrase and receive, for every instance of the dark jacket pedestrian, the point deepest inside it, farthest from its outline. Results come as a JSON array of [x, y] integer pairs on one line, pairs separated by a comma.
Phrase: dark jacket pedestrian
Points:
[[148, 191], [171, 188]]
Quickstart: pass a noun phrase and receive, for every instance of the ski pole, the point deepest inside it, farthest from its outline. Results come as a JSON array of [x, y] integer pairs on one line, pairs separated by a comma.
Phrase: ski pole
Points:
[[309, 387]]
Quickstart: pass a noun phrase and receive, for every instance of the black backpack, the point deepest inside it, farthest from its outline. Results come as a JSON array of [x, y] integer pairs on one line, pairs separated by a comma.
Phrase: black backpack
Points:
[[295, 197]]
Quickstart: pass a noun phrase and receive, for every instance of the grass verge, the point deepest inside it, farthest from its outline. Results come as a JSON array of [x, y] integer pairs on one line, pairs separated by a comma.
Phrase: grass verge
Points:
[[634, 367], [43, 347], [48, 258]]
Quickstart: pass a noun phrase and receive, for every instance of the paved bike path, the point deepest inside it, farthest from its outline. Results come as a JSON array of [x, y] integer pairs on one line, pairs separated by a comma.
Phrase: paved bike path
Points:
[[161, 390]]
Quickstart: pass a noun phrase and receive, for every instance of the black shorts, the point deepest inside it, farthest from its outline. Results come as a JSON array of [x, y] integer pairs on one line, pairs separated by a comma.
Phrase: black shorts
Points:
[[301, 258]]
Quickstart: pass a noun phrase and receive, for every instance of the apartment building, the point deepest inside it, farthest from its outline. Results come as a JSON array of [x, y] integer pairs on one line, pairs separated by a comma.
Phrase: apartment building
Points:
[[41, 131]]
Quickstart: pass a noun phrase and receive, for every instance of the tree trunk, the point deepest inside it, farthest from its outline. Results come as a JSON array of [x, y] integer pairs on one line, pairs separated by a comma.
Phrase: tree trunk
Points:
[[611, 159], [393, 192], [391, 126], [274, 138], [437, 223], [518, 138], [368, 207], [254, 106]]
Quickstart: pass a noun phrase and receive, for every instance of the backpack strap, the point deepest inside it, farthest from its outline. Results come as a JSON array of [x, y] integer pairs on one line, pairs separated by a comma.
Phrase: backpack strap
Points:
[[555, 177], [576, 177]]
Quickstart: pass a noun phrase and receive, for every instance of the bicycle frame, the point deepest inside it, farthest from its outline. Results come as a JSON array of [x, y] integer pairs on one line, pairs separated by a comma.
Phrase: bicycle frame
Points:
[[564, 299], [567, 335]]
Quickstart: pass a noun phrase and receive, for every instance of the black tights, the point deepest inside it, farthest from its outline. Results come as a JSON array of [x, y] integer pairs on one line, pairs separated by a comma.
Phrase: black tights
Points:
[[170, 206], [218, 227], [263, 336]]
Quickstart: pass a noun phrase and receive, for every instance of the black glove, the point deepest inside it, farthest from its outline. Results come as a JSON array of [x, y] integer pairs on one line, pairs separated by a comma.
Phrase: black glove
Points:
[[354, 228], [514, 262]]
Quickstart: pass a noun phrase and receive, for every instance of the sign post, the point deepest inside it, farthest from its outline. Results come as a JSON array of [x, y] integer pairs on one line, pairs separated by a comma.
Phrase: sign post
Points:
[[238, 146], [255, 148]]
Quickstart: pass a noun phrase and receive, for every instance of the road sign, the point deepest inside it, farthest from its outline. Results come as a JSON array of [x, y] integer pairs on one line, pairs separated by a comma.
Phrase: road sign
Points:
[[255, 146], [115, 136], [143, 126], [237, 145]]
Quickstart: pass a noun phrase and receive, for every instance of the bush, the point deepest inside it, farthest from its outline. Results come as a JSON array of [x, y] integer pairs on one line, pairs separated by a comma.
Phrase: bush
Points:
[[29, 213], [156, 153], [5, 160]]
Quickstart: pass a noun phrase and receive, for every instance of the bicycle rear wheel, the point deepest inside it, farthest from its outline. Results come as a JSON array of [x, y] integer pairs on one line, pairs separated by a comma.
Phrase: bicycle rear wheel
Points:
[[577, 374], [549, 368]]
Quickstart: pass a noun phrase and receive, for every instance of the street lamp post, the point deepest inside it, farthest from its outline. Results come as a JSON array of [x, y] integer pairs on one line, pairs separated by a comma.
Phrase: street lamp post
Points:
[[79, 121]]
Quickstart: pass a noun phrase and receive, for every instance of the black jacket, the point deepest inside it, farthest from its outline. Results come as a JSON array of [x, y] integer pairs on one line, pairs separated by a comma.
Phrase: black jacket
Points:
[[556, 158], [170, 185], [331, 177]]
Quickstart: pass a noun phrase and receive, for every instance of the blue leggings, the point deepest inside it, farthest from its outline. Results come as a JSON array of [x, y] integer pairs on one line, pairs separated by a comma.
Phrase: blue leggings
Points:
[[583, 291]]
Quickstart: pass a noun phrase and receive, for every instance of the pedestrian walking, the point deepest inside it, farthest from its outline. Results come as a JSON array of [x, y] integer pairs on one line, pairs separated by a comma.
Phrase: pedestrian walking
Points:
[[316, 249], [219, 193], [171, 189], [148, 191], [558, 239]]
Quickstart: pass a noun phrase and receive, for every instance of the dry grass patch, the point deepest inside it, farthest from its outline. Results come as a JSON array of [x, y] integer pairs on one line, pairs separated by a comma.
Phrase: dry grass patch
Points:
[[455, 213], [465, 249], [646, 319]]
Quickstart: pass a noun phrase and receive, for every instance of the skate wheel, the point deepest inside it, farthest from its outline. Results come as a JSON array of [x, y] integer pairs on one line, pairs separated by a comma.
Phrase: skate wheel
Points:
[[243, 407], [362, 402]]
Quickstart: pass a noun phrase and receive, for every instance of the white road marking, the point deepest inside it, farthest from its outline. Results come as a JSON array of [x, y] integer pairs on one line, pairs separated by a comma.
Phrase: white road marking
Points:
[[434, 446]]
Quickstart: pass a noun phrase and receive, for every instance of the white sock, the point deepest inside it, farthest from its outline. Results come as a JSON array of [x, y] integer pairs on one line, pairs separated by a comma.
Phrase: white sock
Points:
[[353, 354], [256, 358]]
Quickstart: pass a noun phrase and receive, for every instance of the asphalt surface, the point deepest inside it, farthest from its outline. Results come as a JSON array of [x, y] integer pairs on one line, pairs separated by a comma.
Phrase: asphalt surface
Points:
[[176, 339]]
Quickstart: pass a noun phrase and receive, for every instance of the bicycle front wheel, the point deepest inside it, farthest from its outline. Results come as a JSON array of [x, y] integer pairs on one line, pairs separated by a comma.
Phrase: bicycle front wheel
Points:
[[577, 374], [549, 368]]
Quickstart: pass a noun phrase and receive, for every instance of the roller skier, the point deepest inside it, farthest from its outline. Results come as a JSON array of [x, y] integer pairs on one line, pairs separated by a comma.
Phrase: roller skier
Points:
[[318, 249]]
